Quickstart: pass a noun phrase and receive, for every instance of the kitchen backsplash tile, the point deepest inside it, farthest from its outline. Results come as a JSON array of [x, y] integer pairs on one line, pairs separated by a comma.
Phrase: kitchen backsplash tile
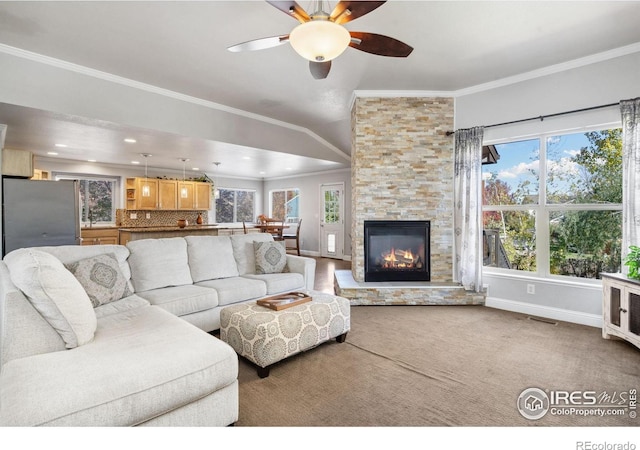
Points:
[[157, 218]]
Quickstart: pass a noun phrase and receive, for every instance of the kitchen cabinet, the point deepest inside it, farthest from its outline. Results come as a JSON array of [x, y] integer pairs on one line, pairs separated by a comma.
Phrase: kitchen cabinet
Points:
[[17, 163], [203, 196], [99, 236], [186, 195], [621, 308], [136, 198], [40, 174], [168, 194]]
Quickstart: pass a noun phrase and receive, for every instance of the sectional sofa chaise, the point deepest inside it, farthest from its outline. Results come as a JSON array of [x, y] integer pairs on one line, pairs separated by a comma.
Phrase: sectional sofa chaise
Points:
[[112, 335]]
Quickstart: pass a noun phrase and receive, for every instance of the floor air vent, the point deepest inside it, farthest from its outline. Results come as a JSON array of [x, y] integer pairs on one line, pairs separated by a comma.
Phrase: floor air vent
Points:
[[542, 319]]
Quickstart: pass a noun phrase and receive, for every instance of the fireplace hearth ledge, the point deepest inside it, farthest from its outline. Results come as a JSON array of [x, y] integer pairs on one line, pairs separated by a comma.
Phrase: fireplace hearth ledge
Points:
[[404, 292]]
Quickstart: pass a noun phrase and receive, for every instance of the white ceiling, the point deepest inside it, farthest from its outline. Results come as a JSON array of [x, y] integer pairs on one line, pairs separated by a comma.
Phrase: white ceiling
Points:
[[181, 47]]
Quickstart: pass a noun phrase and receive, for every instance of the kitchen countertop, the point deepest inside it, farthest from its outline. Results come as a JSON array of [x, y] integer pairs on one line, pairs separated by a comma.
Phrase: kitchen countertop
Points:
[[177, 228]]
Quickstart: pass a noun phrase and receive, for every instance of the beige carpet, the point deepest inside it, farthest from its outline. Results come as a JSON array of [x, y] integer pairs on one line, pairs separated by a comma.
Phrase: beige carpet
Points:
[[438, 366]]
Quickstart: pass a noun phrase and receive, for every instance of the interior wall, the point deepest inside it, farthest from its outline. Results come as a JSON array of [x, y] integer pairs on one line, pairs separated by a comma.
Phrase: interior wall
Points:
[[309, 186], [581, 87]]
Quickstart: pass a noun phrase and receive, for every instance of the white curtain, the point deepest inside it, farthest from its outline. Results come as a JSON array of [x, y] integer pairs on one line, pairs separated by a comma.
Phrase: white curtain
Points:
[[630, 110], [467, 217]]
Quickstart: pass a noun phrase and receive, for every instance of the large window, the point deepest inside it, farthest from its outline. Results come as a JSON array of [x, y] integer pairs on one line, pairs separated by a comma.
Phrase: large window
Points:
[[553, 205], [235, 205], [97, 198], [285, 205]]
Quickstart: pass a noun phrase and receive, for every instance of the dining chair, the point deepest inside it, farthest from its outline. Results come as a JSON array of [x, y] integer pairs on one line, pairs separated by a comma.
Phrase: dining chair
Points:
[[295, 237], [277, 230]]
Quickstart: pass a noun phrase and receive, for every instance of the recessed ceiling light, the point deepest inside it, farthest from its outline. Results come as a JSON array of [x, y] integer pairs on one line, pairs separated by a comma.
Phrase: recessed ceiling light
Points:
[[262, 173], [245, 157], [61, 145], [91, 160], [195, 168], [288, 168], [135, 162], [130, 141], [52, 153]]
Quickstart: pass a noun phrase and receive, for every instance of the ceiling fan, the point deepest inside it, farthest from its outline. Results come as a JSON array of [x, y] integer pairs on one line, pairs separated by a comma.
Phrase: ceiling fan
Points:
[[320, 36]]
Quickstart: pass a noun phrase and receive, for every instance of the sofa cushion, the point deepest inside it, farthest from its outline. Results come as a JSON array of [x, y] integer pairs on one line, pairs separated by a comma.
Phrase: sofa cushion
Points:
[[280, 282], [210, 257], [158, 263], [143, 363], [55, 293], [244, 251], [124, 304], [237, 289], [101, 278], [271, 257], [182, 300]]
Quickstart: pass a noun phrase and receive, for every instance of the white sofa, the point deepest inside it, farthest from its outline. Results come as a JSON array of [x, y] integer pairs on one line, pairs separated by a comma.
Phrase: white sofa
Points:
[[73, 353]]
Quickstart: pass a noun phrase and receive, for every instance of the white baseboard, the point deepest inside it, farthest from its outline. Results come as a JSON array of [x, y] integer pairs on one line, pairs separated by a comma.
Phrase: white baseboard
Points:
[[548, 312], [317, 255]]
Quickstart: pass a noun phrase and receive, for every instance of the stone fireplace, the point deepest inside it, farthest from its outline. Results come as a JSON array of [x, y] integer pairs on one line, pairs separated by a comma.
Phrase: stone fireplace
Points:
[[402, 170]]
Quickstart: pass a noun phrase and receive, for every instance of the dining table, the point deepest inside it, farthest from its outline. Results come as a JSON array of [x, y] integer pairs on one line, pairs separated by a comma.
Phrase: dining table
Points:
[[274, 228]]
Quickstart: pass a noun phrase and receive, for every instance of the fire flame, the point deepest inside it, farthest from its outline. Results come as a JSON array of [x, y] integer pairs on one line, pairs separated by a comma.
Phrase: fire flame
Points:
[[405, 259]]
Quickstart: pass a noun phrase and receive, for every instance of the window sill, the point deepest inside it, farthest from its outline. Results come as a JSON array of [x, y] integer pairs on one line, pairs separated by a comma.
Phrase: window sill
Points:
[[555, 280]]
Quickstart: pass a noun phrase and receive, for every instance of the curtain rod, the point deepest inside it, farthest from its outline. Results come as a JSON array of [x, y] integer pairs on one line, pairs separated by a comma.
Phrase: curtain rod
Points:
[[541, 118]]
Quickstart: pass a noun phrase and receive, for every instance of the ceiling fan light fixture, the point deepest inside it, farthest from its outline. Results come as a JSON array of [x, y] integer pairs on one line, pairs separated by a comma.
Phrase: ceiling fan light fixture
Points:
[[319, 40]]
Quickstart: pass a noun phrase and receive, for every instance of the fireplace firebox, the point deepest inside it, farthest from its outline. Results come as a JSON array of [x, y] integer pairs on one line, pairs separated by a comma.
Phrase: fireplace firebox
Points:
[[396, 250]]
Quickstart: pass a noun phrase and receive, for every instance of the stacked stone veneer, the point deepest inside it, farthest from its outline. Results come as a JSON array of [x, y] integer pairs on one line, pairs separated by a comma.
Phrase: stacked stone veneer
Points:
[[402, 169]]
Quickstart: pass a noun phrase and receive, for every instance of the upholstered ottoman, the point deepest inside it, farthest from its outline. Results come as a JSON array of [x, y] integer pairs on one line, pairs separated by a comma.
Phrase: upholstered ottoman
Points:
[[264, 336]]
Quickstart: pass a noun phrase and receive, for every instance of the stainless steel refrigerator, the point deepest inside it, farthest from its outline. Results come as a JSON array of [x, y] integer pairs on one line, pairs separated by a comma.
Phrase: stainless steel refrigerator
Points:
[[39, 213]]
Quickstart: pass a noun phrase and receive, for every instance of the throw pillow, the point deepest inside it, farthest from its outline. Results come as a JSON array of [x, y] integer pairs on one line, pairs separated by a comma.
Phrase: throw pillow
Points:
[[55, 293], [101, 278], [271, 257]]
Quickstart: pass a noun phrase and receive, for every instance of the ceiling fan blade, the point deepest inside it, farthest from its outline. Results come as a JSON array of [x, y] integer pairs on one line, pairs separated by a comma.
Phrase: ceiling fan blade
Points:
[[292, 9], [319, 70], [347, 11], [260, 44], [378, 44]]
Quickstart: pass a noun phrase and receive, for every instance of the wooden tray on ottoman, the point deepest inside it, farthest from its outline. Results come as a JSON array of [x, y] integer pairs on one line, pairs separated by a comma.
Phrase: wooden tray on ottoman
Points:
[[284, 301]]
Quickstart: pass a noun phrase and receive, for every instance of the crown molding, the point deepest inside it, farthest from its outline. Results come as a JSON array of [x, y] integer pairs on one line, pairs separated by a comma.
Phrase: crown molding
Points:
[[396, 94], [550, 70], [309, 174], [538, 73], [54, 62]]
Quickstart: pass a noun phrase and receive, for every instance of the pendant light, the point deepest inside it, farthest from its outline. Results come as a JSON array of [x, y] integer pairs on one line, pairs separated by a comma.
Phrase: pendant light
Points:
[[184, 193], [146, 189], [216, 192]]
